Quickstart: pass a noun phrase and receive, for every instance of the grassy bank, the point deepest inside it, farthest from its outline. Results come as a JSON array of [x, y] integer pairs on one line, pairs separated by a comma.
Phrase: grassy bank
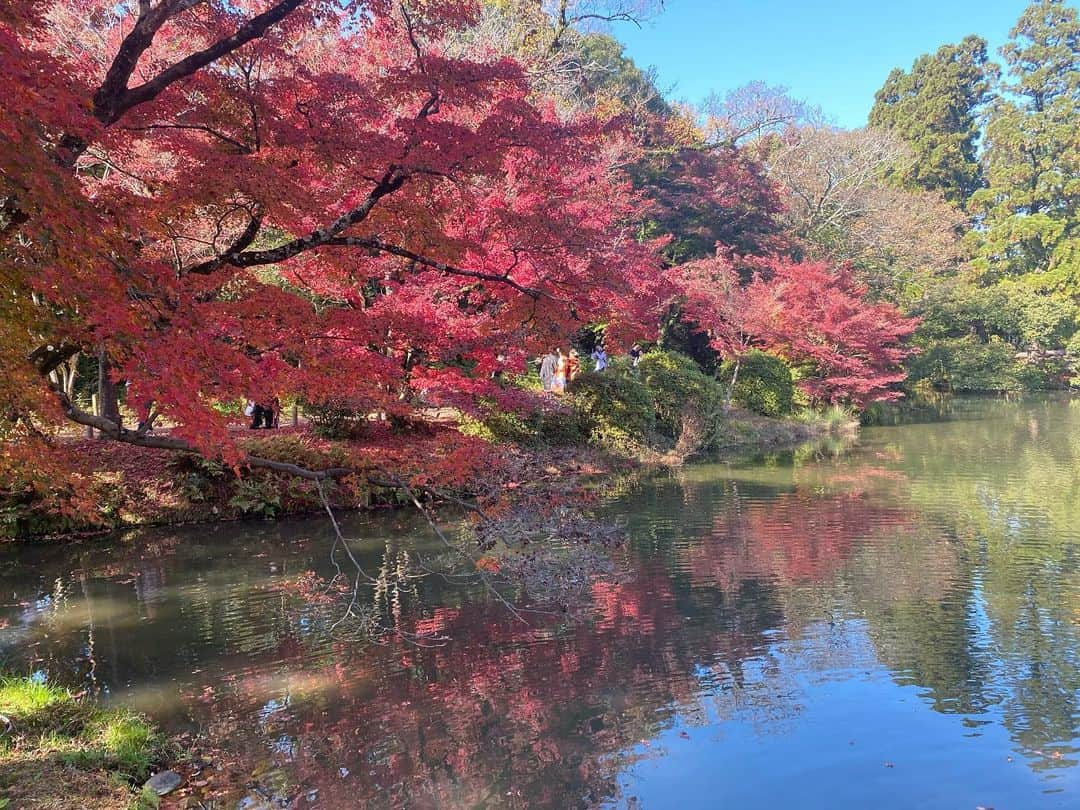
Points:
[[60, 752], [746, 433]]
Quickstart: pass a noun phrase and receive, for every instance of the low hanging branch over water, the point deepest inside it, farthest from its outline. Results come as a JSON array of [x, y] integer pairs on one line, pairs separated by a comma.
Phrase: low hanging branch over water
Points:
[[141, 437]]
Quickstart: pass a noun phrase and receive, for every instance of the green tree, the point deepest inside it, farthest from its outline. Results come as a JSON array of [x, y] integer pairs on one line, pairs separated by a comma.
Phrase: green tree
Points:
[[935, 108], [1028, 212]]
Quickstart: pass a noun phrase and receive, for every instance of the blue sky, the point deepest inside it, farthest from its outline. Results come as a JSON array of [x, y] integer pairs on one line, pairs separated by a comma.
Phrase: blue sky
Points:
[[832, 53]]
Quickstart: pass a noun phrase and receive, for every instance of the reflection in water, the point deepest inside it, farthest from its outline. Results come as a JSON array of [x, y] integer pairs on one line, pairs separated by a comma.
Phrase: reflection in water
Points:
[[896, 624]]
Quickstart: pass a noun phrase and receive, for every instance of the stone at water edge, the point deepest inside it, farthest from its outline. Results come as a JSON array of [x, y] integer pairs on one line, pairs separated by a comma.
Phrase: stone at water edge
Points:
[[255, 801], [164, 782]]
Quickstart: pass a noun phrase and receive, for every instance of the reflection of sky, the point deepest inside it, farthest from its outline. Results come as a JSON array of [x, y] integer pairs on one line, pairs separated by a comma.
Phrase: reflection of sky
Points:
[[850, 736], [750, 632], [284, 746], [272, 707]]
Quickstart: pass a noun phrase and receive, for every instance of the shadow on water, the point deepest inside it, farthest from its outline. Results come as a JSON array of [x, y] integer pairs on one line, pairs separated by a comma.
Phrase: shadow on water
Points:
[[895, 624]]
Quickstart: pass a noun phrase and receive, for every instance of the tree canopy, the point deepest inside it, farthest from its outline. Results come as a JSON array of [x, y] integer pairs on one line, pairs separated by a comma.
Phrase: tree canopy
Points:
[[936, 109], [1029, 209], [387, 205], [290, 197]]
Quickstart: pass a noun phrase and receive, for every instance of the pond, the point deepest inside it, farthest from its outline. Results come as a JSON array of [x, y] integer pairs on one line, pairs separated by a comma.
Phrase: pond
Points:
[[893, 624]]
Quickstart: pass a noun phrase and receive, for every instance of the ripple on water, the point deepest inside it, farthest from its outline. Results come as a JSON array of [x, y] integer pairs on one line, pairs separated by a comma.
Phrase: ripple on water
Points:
[[897, 625]]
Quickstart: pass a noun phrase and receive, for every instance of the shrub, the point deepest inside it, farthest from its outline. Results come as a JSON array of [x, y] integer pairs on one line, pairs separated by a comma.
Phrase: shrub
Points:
[[296, 449], [257, 497], [764, 384], [553, 427], [337, 419], [562, 427], [39, 504], [200, 479], [617, 410], [967, 364], [1072, 359], [676, 383]]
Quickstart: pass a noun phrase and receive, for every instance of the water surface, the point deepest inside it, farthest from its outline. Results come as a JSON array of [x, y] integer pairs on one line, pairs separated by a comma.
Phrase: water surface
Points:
[[896, 624]]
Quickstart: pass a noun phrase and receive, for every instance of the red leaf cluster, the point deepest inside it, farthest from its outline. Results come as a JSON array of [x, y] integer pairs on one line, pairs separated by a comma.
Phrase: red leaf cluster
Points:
[[810, 314]]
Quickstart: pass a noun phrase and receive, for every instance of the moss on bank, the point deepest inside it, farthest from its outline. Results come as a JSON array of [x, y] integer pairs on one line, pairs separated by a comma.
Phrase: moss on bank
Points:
[[61, 752]]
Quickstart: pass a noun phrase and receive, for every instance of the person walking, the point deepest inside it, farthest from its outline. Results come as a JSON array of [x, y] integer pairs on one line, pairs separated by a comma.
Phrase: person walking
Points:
[[599, 357], [573, 366], [635, 355], [559, 385], [257, 413], [547, 370]]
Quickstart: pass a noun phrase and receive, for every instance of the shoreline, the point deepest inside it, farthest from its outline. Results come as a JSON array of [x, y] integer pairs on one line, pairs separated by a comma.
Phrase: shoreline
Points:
[[146, 488]]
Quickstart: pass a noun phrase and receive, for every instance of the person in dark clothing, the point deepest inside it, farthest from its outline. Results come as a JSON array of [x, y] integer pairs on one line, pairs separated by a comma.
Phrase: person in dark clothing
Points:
[[258, 415]]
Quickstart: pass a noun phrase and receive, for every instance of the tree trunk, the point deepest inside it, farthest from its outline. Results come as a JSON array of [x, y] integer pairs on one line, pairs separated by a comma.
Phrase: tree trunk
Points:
[[731, 385], [108, 401]]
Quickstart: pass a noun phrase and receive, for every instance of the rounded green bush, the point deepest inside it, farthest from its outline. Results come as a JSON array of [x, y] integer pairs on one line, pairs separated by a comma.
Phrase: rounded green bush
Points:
[[966, 364], [614, 406], [764, 384], [555, 427], [676, 383]]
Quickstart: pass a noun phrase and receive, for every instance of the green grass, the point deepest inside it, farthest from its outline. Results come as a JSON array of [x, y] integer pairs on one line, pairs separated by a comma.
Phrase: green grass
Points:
[[48, 724], [23, 699], [834, 417]]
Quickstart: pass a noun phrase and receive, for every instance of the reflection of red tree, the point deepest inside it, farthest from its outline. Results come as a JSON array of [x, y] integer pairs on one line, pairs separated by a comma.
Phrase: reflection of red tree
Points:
[[504, 715], [515, 715], [792, 537]]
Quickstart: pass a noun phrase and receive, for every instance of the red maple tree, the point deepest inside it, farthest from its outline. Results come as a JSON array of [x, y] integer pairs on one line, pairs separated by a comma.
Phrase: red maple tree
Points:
[[324, 199], [809, 313]]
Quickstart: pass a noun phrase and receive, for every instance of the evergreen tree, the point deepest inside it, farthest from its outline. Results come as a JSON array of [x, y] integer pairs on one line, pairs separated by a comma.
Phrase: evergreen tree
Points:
[[935, 108], [1028, 212]]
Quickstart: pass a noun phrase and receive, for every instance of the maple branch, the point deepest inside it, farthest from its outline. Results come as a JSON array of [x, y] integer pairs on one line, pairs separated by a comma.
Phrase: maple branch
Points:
[[390, 182], [108, 97], [114, 98], [46, 359], [243, 148], [242, 242], [383, 247], [118, 433], [411, 31], [142, 438]]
